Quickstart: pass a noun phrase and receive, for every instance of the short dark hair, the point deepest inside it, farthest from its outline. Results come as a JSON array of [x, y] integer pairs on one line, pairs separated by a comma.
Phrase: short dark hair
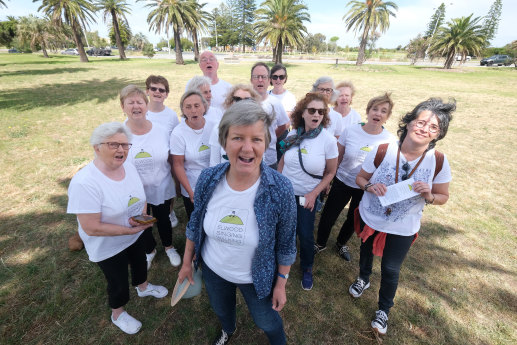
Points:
[[296, 116], [157, 79], [442, 111], [260, 63], [276, 68]]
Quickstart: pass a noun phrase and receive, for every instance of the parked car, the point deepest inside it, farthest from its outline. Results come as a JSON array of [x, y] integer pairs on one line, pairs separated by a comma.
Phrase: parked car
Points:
[[13, 51], [460, 57], [130, 48], [157, 49], [99, 51], [497, 60], [70, 51]]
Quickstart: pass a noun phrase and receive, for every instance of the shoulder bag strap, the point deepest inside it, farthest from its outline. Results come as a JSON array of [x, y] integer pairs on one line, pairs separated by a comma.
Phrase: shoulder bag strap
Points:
[[381, 153], [439, 157], [303, 168]]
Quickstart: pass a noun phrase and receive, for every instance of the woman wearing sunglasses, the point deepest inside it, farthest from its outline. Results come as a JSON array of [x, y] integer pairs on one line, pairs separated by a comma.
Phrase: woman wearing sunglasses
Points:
[[353, 145], [388, 231], [150, 155], [237, 93], [309, 162], [277, 80]]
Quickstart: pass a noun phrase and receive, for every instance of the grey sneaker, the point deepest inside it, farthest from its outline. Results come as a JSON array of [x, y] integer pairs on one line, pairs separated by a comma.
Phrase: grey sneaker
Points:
[[357, 288], [222, 339], [156, 291], [380, 323], [343, 252]]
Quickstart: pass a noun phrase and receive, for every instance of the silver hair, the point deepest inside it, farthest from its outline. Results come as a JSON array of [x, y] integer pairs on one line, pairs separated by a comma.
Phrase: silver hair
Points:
[[197, 82], [189, 93], [326, 79], [107, 130], [244, 113]]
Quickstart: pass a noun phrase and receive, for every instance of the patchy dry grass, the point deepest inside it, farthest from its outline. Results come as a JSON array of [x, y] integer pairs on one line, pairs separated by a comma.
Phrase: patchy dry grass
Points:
[[458, 284]]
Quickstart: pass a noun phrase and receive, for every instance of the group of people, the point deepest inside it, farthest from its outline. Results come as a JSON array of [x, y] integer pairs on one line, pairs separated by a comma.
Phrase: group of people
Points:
[[253, 166]]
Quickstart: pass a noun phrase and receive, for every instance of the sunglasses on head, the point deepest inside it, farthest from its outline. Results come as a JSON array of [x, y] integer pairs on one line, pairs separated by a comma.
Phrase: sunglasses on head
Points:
[[238, 99], [154, 89], [275, 77], [311, 111]]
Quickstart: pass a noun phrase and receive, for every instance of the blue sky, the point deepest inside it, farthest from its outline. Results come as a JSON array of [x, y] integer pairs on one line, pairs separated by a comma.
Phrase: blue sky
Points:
[[326, 18]]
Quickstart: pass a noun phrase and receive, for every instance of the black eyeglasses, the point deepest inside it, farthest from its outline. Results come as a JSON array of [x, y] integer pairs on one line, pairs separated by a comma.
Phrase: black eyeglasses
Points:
[[325, 90], [154, 89], [238, 99], [275, 77], [406, 168], [114, 145], [311, 111]]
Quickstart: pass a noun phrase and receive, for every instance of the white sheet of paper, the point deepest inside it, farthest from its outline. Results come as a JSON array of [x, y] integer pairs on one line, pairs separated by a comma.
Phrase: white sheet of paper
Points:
[[398, 192]]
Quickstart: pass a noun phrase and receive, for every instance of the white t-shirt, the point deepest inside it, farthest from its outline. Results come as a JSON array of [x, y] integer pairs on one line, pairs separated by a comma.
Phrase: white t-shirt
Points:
[[357, 144], [232, 233], [194, 145], [149, 154], [287, 99], [219, 92], [335, 127], [91, 191], [402, 218], [272, 105], [217, 153], [315, 153], [353, 117], [214, 114], [167, 118]]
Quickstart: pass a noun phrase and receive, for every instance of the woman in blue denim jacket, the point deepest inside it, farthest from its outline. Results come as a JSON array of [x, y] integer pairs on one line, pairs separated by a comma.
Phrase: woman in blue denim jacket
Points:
[[242, 229]]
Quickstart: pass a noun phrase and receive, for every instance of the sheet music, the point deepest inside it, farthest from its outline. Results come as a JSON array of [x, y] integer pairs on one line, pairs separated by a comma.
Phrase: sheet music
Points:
[[398, 192]]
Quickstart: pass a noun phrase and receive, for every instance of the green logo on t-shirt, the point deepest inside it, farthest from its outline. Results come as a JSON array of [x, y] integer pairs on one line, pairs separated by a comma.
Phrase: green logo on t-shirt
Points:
[[143, 154], [132, 201], [304, 151], [203, 148], [232, 219], [366, 148]]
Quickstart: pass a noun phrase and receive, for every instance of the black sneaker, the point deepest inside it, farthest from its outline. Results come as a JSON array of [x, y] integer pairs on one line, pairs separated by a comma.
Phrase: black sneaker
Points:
[[318, 249], [380, 323], [357, 288], [343, 251], [222, 339]]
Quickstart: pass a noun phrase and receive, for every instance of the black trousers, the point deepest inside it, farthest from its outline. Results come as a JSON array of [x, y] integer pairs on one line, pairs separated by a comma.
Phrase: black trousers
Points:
[[116, 272], [189, 206], [340, 194], [161, 213], [395, 251]]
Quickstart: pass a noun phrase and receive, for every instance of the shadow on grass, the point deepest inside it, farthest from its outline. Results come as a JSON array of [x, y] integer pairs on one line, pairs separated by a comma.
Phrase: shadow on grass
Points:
[[54, 94], [35, 72]]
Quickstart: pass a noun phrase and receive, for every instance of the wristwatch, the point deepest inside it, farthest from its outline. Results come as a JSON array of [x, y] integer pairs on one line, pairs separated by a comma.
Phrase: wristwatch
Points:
[[285, 276], [366, 186]]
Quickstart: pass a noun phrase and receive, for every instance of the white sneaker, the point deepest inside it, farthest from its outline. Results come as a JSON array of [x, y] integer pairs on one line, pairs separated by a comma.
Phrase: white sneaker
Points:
[[380, 323], [174, 257], [156, 291], [150, 258], [127, 323], [173, 219]]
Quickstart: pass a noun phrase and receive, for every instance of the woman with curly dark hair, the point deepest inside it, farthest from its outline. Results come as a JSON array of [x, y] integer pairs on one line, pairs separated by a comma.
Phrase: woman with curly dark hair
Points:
[[388, 228], [309, 161]]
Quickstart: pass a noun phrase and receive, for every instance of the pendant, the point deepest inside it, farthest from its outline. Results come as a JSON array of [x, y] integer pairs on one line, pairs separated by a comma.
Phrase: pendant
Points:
[[388, 211]]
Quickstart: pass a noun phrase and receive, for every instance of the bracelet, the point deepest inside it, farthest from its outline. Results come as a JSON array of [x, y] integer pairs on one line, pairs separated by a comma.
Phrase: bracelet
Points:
[[430, 202], [366, 186]]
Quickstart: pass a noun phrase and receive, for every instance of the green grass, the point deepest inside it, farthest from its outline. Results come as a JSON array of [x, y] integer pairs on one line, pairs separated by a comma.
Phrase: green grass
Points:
[[458, 283]]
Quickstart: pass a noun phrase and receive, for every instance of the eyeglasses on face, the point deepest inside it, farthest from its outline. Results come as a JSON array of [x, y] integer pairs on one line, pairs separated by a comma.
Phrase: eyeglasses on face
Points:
[[432, 127], [114, 145], [154, 89], [208, 60], [238, 99], [275, 77], [257, 77], [311, 111], [323, 90], [406, 168]]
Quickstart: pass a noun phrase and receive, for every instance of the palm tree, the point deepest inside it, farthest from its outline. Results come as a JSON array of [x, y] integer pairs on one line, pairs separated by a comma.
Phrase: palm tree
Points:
[[36, 31], [179, 14], [281, 23], [462, 36], [76, 13], [117, 9], [368, 16], [2, 3], [199, 24]]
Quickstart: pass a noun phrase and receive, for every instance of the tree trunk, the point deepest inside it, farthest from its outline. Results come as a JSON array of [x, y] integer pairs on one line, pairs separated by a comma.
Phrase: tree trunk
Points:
[[274, 52], [177, 47], [279, 51], [44, 49], [76, 30], [116, 28], [196, 45], [449, 60], [362, 46]]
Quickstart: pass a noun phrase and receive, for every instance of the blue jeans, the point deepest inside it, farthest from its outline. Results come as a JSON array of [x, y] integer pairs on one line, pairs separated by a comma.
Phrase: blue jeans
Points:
[[305, 232], [222, 299]]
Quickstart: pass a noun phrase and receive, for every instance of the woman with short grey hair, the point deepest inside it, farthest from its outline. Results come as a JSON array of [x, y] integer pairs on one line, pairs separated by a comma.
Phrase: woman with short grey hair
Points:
[[105, 195], [202, 85], [237, 232], [325, 86]]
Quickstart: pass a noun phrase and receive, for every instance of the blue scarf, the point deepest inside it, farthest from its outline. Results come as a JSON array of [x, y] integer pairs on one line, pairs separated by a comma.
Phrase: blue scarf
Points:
[[295, 140]]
